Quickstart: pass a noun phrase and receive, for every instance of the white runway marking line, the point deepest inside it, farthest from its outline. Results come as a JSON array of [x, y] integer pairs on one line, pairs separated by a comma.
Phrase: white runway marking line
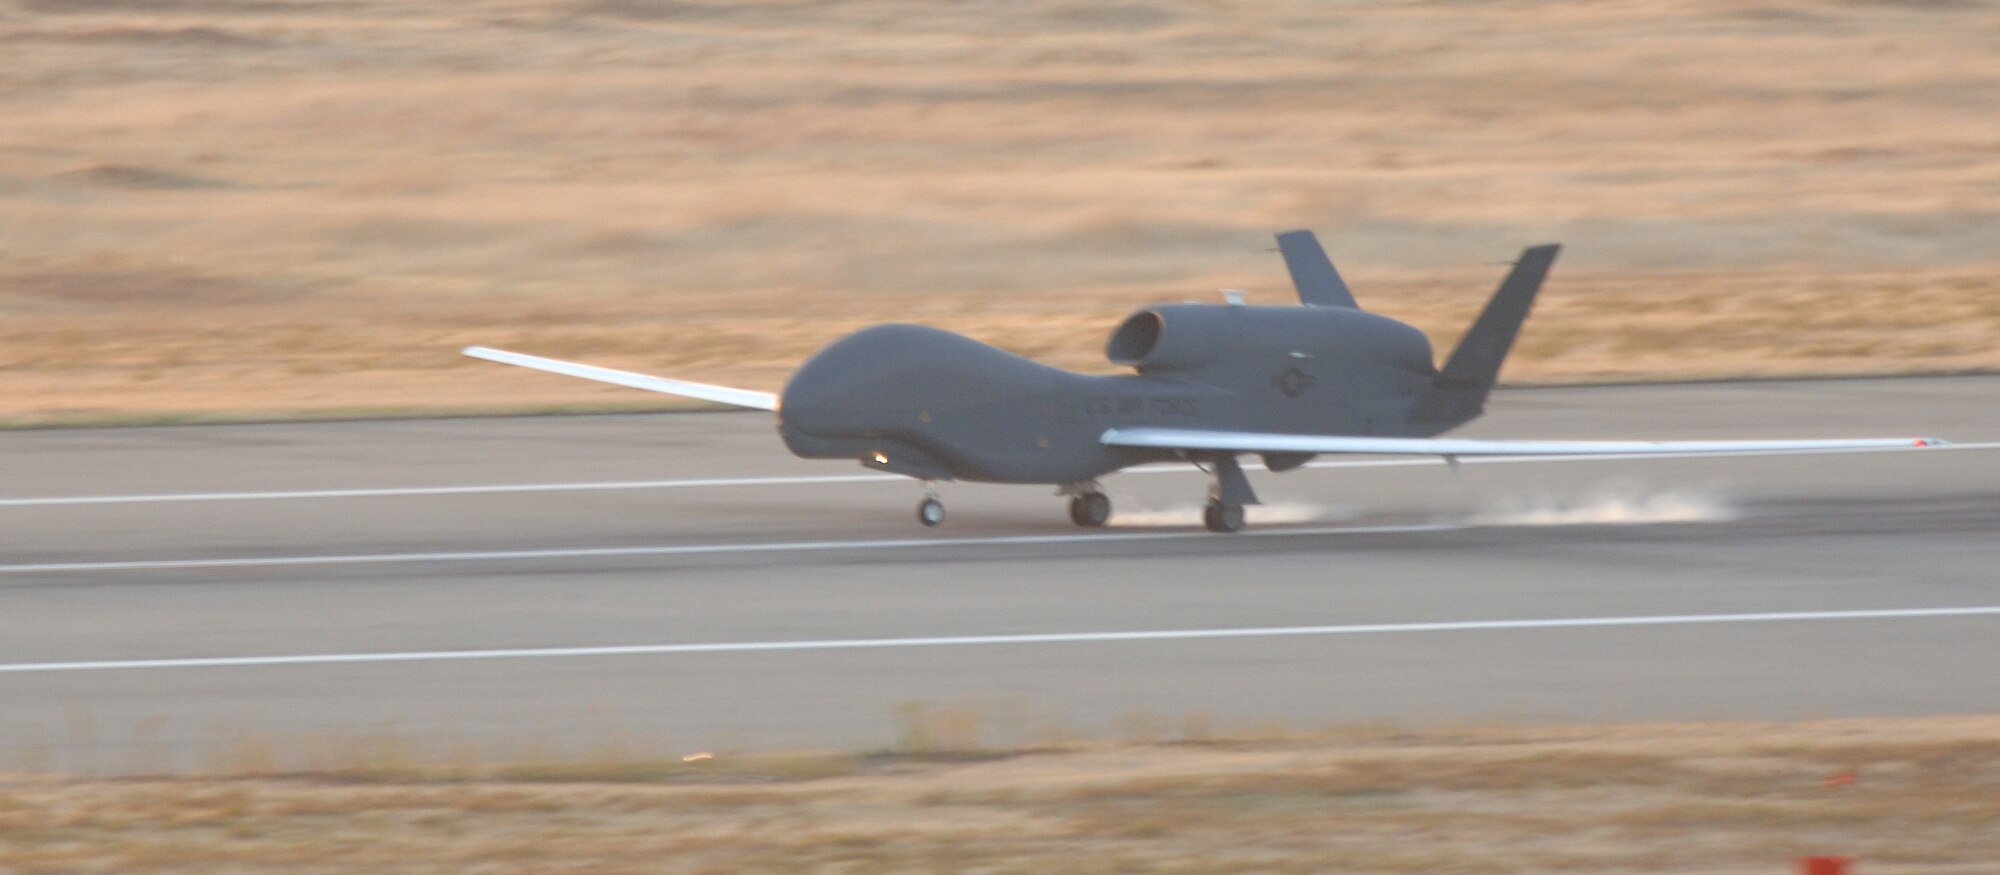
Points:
[[402, 492], [726, 482], [992, 640], [700, 549]]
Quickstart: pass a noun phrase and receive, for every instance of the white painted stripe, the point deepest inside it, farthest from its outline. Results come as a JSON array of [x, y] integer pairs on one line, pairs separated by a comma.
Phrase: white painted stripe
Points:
[[695, 549], [992, 640], [399, 492], [731, 482]]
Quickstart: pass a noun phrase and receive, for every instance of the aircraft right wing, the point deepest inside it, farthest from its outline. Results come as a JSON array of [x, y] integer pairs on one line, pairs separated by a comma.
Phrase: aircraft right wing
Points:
[[683, 388], [1270, 442]]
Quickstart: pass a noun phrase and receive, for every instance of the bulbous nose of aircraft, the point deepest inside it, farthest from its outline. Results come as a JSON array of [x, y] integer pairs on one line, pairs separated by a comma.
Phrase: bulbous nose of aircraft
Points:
[[817, 402], [819, 420], [891, 377], [840, 391]]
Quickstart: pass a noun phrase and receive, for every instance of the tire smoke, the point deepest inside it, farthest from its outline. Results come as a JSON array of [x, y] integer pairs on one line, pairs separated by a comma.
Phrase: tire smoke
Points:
[[1616, 507], [1189, 514]]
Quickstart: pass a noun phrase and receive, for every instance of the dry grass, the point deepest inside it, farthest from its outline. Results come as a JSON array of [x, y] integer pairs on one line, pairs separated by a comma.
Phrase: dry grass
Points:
[[1906, 796], [290, 205]]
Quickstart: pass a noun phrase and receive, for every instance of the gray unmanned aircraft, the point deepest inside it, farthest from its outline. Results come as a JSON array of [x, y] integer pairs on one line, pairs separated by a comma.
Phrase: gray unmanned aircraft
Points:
[[1213, 382]]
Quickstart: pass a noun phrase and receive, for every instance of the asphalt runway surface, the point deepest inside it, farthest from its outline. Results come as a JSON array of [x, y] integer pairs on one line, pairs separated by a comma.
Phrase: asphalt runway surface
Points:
[[681, 582]]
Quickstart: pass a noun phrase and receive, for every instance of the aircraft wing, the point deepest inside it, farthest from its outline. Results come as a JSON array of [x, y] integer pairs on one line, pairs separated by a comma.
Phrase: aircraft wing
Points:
[[683, 388], [1268, 442]]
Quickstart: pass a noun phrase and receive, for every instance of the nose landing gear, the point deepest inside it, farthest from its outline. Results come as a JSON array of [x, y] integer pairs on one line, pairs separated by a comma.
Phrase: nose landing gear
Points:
[[930, 511], [1090, 508]]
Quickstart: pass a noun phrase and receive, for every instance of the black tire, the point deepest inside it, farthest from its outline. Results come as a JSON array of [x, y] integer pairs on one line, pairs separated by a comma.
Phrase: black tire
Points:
[[1223, 518], [1090, 510], [930, 512]]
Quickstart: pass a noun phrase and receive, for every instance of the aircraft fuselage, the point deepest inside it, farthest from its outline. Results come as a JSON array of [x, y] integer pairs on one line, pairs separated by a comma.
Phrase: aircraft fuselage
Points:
[[939, 406]]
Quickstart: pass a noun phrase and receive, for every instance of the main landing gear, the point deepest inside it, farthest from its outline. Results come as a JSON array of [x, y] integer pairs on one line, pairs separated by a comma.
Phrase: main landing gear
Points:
[[1222, 518], [1089, 507], [930, 511], [1227, 495]]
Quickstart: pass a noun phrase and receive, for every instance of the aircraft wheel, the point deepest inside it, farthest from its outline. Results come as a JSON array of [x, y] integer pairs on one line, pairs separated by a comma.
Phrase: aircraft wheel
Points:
[[1223, 518], [930, 512], [1090, 509]]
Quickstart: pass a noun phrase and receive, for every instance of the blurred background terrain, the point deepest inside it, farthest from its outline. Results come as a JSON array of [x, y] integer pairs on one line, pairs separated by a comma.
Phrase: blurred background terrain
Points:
[[297, 207]]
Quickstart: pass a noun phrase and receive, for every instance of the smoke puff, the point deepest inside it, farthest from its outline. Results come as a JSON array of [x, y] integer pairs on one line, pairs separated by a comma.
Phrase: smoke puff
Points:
[[1623, 507], [1190, 514]]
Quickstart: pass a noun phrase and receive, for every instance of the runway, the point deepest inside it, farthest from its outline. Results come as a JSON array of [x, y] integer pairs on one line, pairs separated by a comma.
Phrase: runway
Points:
[[682, 579]]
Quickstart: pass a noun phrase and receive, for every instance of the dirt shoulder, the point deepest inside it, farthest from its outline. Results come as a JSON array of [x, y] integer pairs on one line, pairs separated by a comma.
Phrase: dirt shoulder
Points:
[[1902, 796], [297, 208], [370, 358]]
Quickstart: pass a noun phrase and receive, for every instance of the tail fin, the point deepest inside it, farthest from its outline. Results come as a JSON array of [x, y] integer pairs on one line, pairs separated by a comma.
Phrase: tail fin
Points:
[[1460, 391], [1313, 275]]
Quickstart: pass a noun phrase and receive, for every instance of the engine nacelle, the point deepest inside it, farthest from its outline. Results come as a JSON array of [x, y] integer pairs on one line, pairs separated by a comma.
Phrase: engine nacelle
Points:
[[1190, 338], [1172, 338]]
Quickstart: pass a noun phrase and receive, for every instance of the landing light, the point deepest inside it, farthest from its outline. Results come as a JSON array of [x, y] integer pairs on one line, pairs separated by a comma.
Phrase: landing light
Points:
[[881, 459]]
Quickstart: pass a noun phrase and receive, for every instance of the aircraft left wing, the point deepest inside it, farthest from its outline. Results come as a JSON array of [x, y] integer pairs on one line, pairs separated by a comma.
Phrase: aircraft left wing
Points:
[[1269, 442], [683, 388]]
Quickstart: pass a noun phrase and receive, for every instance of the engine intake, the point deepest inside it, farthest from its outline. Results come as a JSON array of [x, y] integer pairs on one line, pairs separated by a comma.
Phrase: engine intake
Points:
[[1172, 338]]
